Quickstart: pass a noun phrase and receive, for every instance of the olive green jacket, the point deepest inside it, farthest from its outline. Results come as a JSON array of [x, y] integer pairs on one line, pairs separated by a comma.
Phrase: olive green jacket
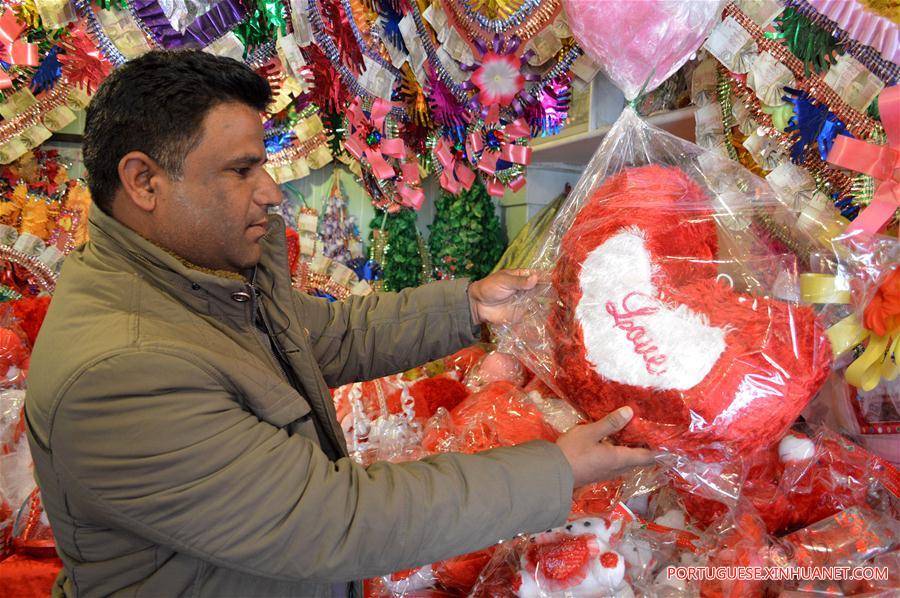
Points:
[[177, 456]]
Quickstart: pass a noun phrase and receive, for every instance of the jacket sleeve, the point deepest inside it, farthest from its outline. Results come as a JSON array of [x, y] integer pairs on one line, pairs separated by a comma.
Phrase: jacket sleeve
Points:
[[181, 464], [384, 333]]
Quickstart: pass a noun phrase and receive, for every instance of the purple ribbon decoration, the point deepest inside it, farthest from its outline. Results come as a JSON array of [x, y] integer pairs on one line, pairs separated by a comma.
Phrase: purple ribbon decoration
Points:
[[205, 29]]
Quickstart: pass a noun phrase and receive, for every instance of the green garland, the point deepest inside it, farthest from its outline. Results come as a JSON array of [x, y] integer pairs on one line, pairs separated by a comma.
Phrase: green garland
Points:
[[466, 237], [402, 262], [816, 47]]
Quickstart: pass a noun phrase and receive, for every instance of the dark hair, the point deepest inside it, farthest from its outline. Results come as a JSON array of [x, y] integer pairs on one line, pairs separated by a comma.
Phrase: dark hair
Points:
[[156, 104]]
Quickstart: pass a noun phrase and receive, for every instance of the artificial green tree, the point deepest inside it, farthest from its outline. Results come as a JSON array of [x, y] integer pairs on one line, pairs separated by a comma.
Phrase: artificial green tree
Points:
[[466, 237]]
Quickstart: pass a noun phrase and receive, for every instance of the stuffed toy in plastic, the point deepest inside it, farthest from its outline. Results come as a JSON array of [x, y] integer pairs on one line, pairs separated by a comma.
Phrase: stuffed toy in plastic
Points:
[[644, 319], [576, 559], [803, 479]]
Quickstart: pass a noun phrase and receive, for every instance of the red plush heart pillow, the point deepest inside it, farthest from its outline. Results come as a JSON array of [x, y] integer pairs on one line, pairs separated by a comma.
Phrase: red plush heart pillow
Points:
[[643, 321]]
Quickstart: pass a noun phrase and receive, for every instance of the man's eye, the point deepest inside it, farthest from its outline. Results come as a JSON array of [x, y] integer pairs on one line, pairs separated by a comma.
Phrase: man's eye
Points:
[[241, 171]]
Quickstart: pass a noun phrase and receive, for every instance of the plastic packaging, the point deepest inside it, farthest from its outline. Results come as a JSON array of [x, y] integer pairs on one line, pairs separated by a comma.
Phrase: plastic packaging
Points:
[[610, 554], [664, 297]]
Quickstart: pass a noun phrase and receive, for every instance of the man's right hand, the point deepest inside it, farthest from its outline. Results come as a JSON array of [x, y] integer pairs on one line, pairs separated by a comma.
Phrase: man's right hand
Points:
[[592, 459]]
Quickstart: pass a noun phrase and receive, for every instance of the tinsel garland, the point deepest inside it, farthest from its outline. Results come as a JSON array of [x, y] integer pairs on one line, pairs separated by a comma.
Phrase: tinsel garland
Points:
[[333, 54], [816, 47], [458, 91], [367, 50], [30, 117], [883, 69], [95, 30], [762, 222], [831, 179], [530, 17], [295, 152], [859, 124]]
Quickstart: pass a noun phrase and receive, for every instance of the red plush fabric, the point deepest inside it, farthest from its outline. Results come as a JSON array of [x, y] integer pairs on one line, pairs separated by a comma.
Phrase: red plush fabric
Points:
[[463, 360], [776, 354], [498, 415], [30, 313], [460, 573], [794, 495], [440, 391], [22, 576]]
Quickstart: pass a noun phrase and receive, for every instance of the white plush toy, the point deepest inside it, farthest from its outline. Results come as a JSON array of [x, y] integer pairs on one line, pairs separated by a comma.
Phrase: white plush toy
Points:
[[574, 560]]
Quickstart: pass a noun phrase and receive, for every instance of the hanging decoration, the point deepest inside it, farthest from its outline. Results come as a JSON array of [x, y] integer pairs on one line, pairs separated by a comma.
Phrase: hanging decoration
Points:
[[373, 141], [882, 162], [481, 19], [816, 47], [499, 150], [498, 75], [13, 50], [455, 173]]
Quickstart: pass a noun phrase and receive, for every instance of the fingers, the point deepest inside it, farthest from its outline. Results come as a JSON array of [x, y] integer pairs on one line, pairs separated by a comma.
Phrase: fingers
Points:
[[518, 280], [612, 423], [627, 458]]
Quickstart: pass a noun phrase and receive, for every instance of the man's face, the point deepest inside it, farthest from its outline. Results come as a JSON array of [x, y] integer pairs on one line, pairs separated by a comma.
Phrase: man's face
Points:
[[216, 215]]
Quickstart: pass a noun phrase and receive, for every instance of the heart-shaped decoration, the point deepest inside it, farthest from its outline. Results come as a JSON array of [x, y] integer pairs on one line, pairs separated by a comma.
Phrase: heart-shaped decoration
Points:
[[642, 321], [640, 43], [632, 336]]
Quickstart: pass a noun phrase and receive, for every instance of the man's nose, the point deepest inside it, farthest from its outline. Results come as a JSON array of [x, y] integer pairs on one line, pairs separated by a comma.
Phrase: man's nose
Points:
[[268, 193]]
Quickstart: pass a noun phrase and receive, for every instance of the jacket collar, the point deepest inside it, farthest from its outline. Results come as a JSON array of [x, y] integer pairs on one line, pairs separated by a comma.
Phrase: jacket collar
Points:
[[220, 294]]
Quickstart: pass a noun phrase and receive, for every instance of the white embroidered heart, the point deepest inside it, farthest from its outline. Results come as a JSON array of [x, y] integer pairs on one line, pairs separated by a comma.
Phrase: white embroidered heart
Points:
[[630, 335]]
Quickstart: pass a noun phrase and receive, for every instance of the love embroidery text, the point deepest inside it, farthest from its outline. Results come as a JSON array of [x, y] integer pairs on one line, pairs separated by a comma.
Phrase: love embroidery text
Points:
[[625, 318]]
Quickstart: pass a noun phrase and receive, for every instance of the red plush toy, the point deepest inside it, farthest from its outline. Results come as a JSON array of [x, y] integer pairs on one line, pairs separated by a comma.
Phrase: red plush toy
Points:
[[802, 480], [499, 415], [643, 320]]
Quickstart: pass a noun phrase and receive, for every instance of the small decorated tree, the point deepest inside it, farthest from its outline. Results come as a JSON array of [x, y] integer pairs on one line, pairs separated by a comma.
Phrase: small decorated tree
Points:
[[394, 243], [466, 238]]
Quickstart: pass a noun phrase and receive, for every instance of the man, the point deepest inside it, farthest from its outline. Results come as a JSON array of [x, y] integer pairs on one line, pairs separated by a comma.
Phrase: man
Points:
[[178, 408]]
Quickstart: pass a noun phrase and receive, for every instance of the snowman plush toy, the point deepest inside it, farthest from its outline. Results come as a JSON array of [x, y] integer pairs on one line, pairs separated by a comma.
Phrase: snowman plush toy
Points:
[[646, 319]]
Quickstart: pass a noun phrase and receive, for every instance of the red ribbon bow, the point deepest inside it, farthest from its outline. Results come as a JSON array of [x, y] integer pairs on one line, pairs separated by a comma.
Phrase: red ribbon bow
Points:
[[879, 161], [509, 151], [455, 173], [376, 154], [13, 50]]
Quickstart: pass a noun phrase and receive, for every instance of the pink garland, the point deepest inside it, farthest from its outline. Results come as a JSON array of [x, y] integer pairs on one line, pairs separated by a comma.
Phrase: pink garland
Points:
[[863, 26]]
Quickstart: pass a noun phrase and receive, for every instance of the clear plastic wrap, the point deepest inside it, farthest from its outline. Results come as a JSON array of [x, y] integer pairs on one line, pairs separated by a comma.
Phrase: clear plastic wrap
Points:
[[610, 554], [665, 296], [856, 286], [803, 478], [850, 537]]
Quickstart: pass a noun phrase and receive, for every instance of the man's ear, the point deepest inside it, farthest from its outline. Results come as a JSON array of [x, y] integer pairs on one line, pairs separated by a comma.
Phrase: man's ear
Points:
[[142, 179]]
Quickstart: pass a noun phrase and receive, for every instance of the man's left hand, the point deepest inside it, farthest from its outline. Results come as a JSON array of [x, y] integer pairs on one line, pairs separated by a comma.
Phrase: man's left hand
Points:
[[493, 299]]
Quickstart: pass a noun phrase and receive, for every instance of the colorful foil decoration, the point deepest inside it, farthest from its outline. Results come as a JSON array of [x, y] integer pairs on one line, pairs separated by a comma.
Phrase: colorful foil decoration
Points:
[[12, 49], [82, 62], [494, 148], [880, 161], [372, 143], [218, 20], [498, 76], [455, 173], [811, 123]]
